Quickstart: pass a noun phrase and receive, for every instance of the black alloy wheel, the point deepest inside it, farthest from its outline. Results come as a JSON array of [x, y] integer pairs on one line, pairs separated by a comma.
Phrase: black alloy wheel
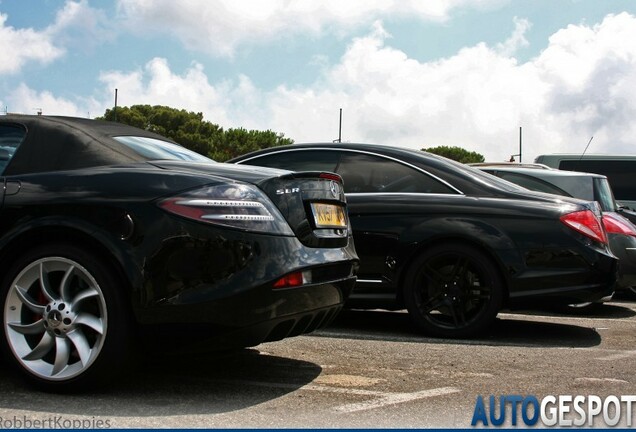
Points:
[[453, 290], [65, 325]]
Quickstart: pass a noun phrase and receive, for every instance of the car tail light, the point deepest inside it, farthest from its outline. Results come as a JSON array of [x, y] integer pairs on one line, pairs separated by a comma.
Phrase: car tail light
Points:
[[617, 225], [235, 205], [293, 280], [331, 176], [586, 223]]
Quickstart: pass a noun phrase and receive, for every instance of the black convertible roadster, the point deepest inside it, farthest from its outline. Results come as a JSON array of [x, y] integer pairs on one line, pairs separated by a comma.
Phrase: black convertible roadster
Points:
[[111, 236]]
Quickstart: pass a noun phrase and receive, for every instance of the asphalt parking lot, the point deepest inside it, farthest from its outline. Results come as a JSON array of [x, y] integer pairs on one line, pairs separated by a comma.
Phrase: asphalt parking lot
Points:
[[370, 369]]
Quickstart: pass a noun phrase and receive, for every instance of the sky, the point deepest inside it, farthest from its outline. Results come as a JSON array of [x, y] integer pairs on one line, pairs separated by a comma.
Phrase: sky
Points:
[[478, 74]]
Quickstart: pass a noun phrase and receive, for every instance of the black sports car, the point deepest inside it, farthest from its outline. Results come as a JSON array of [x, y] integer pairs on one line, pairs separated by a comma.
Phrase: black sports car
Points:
[[452, 244], [111, 235]]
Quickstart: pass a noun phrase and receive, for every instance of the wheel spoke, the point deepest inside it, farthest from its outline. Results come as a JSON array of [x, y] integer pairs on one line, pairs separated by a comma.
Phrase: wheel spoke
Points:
[[460, 268], [43, 348], [62, 355], [453, 315], [87, 293], [28, 329], [432, 274], [45, 284], [457, 310], [433, 303], [90, 321], [81, 344], [66, 283], [26, 300]]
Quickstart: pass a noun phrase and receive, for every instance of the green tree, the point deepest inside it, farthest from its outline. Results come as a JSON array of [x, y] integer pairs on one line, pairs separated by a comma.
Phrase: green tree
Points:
[[191, 131], [456, 153], [236, 142]]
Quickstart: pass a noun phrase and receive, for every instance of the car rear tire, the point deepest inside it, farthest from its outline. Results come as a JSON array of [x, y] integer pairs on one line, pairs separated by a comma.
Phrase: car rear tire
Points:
[[453, 290], [65, 323]]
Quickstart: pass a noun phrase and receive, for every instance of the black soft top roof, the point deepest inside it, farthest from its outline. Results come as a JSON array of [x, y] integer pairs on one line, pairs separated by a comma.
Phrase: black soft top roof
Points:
[[57, 143]]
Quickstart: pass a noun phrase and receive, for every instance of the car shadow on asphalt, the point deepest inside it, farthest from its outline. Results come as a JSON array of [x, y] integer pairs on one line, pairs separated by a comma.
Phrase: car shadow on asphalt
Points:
[[172, 385], [533, 329]]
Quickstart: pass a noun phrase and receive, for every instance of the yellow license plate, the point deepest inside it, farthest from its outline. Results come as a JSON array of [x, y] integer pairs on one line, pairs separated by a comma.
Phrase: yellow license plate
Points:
[[328, 215]]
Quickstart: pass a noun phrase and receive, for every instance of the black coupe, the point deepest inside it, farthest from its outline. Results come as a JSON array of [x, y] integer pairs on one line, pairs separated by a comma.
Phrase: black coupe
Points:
[[452, 244], [111, 236]]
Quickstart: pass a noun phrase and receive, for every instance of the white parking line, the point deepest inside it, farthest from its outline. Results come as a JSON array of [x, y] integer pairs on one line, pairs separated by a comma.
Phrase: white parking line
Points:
[[619, 356], [379, 399], [395, 398]]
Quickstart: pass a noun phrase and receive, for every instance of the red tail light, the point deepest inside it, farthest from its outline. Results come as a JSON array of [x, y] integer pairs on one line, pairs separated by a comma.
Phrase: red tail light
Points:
[[586, 223], [618, 225], [331, 176], [293, 280], [235, 205]]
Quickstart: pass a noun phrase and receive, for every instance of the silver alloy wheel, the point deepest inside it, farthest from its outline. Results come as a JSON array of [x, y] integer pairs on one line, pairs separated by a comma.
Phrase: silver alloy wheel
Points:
[[55, 318]]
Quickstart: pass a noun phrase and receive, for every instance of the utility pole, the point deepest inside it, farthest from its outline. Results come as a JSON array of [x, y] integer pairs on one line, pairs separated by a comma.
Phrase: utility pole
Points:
[[520, 135], [339, 140]]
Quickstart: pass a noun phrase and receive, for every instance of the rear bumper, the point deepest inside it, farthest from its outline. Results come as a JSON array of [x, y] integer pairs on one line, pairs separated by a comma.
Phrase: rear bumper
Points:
[[215, 289], [565, 277], [624, 247], [230, 325]]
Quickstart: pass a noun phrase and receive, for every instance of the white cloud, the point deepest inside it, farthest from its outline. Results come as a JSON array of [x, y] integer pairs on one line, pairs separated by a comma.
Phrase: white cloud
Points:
[[476, 99], [220, 26], [24, 100], [156, 84], [79, 26], [517, 39], [19, 46], [580, 85], [76, 26], [590, 72]]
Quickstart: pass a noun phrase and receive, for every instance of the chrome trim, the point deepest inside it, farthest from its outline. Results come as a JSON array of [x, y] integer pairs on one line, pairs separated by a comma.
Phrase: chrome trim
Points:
[[369, 281], [219, 203]]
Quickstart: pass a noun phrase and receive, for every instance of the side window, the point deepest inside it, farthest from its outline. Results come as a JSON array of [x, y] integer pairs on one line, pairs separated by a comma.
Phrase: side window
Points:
[[620, 174], [10, 139], [299, 160], [369, 173]]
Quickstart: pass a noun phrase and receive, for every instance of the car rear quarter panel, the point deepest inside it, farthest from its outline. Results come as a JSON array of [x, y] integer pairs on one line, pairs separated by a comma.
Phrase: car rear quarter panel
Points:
[[177, 268], [530, 246]]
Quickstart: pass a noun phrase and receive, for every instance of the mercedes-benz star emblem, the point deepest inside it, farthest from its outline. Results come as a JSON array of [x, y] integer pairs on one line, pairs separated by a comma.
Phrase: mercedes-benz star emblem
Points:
[[335, 189], [55, 319]]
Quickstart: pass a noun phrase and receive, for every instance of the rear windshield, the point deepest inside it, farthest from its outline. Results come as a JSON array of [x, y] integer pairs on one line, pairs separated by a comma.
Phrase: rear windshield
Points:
[[10, 139], [154, 149]]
